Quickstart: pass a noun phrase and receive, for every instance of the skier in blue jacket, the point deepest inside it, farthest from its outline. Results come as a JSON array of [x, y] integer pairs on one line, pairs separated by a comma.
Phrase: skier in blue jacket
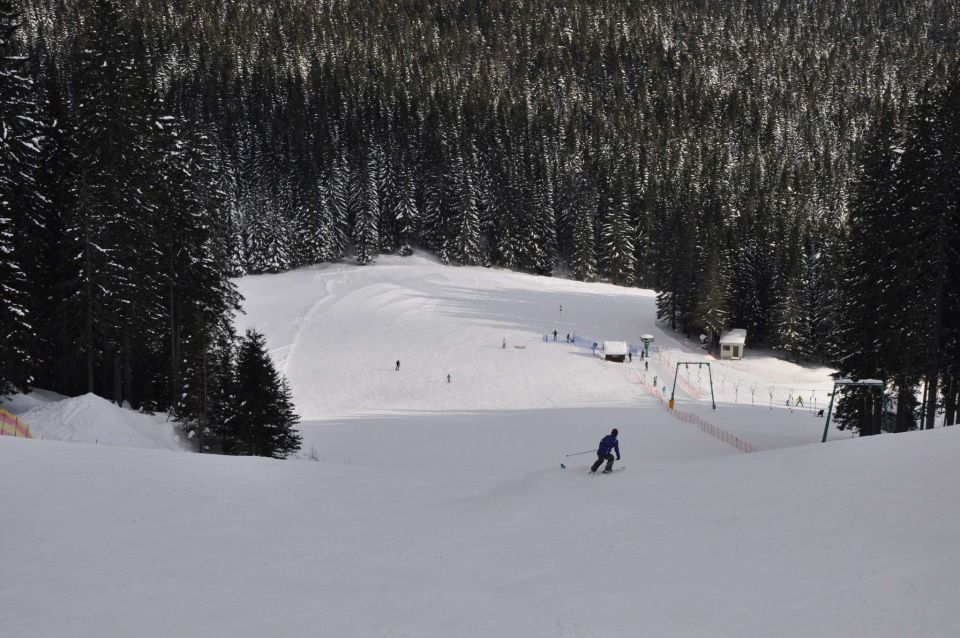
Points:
[[607, 443]]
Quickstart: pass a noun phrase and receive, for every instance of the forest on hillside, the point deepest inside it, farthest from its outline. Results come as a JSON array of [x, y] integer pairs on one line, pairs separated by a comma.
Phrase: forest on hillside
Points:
[[785, 167]]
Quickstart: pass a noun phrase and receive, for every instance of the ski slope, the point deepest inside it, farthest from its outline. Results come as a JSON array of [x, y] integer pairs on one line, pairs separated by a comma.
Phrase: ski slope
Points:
[[337, 330], [422, 508], [853, 538]]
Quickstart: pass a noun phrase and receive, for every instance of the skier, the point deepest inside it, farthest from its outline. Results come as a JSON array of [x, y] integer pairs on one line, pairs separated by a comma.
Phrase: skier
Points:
[[398, 365], [554, 335], [448, 378], [504, 343], [568, 337], [607, 443], [799, 402], [630, 356], [646, 366], [594, 347]]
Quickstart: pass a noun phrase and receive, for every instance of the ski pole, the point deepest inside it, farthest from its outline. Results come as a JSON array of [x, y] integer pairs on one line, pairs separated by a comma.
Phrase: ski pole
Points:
[[579, 453]]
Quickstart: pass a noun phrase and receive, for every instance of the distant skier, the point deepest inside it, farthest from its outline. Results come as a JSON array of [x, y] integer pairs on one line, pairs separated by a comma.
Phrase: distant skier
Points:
[[594, 347], [504, 343], [554, 335], [607, 443], [630, 357], [398, 365], [799, 402], [568, 337], [448, 378], [646, 366]]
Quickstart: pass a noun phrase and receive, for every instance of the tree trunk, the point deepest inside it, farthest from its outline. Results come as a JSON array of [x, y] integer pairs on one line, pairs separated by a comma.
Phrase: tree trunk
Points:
[[118, 379], [949, 400], [905, 420], [88, 294], [128, 370], [931, 407]]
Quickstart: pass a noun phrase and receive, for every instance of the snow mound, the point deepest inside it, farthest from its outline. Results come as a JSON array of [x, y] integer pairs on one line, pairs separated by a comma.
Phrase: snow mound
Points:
[[92, 419]]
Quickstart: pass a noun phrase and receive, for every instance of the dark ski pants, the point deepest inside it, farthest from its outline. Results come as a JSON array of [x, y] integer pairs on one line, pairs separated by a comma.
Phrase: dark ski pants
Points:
[[600, 459]]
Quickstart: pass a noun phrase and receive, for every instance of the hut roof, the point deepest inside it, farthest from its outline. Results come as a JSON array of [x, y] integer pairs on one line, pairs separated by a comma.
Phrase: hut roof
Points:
[[737, 336], [615, 348]]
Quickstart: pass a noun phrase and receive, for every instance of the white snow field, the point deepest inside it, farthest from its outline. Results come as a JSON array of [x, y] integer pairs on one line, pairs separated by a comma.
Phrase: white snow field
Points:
[[337, 331], [440, 509]]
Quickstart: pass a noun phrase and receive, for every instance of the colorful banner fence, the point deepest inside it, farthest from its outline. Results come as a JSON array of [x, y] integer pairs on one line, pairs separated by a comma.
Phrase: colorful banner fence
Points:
[[12, 426]]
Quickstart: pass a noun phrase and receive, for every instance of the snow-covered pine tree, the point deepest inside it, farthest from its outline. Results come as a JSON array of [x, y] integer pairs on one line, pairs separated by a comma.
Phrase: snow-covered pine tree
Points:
[[406, 214], [581, 203], [385, 182], [616, 243], [202, 299], [711, 314], [788, 317], [20, 141], [870, 336], [337, 191], [545, 222], [464, 245], [365, 235], [108, 225]]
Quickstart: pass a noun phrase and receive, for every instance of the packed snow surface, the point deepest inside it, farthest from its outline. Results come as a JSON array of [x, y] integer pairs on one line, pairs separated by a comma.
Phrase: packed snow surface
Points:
[[438, 508], [854, 538]]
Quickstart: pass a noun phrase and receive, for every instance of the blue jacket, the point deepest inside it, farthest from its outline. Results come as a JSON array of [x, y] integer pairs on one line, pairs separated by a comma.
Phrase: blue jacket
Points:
[[608, 443]]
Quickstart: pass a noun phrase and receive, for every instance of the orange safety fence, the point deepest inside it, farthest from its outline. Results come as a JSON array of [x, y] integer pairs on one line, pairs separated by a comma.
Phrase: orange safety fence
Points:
[[704, 425], [12, 426]]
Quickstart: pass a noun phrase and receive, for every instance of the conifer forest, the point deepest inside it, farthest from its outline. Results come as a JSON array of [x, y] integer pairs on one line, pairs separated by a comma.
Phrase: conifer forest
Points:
[[788, 167]]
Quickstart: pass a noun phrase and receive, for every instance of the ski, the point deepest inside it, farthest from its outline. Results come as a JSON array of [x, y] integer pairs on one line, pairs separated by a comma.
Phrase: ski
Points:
[[619, 468]]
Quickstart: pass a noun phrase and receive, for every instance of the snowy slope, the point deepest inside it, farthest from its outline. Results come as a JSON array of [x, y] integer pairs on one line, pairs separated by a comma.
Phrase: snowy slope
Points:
[[336, 331], [440, 509], [854, 538]]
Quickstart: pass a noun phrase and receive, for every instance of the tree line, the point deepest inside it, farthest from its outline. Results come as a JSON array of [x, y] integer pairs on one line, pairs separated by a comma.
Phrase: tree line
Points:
[[711, 151], [115, 242]]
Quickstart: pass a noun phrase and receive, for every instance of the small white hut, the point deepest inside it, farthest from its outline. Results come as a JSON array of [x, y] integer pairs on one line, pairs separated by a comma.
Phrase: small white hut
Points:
[[733, 343], [615, 351]]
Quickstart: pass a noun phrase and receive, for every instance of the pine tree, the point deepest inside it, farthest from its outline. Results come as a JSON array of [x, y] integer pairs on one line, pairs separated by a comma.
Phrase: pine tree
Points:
[[366, 237], [711, 314], [406, 213], [261, 420], [20, 139], [616, 243], [581, 205], [108, 183], [464, 246]]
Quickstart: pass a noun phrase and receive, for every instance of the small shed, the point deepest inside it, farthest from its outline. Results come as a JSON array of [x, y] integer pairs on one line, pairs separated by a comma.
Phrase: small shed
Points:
[[615, 351], [733, 343]]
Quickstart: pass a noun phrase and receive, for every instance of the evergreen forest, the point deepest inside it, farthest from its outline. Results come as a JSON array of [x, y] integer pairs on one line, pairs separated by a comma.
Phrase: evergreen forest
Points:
[[788, 167]]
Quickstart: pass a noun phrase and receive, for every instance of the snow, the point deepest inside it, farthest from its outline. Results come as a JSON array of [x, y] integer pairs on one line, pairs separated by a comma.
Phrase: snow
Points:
[[440, 509], [851, 538], [615, 348], [92, 419], [735, 337], [337, 330]]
